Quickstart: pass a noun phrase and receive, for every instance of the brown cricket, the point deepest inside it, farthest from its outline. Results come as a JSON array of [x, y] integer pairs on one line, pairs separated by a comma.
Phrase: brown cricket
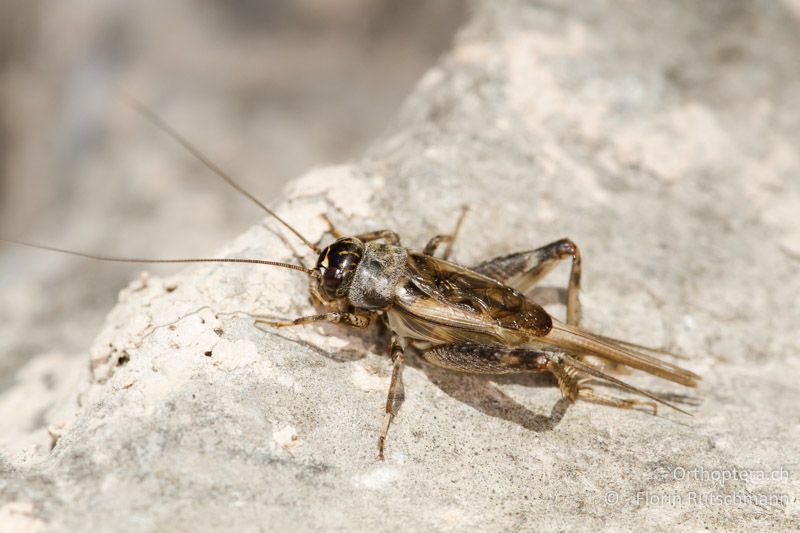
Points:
[[474, 319]]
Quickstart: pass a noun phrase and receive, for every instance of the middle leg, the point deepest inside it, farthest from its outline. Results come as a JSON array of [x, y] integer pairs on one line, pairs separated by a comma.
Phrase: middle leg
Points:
[[394, 398]]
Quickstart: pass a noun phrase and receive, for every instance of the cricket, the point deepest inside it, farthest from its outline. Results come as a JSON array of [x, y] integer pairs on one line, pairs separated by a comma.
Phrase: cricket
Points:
[[474, 319]]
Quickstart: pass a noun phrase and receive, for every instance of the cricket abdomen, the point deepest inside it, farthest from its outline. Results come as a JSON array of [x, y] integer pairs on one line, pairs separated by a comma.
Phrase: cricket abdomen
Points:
[[442, 302]]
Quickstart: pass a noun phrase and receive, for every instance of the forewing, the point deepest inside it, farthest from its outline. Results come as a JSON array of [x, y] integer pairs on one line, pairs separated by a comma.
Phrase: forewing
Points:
[[444, 302], [579, 341], [458, 297]]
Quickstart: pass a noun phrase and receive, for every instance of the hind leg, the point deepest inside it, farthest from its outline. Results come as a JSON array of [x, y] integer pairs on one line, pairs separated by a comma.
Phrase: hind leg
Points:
[[356, 320], [523, 270], [569, 372], [477, 358]]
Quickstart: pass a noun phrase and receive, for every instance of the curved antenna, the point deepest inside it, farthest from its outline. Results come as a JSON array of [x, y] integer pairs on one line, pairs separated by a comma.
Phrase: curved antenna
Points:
[[197, 154], [153, 261]]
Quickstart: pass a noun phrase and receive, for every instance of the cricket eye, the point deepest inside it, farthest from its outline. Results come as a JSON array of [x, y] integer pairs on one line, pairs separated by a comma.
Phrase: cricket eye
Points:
[[331, 280]]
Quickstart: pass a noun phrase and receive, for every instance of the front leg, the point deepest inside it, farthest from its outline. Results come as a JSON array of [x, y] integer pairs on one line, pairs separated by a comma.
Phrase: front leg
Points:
[[355, 320], [386, 234], [448, 239]]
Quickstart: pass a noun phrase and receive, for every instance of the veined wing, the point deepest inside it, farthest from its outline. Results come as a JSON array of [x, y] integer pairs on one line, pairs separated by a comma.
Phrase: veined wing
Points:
[[579, 341], [444, 302], [453, 297]]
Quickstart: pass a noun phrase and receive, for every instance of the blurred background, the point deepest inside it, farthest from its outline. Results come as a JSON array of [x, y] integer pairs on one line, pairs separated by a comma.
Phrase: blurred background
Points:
[[266, 88]]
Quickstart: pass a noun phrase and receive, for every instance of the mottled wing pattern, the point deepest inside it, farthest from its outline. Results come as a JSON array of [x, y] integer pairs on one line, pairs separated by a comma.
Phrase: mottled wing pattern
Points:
[[443, 292], [442, 302]]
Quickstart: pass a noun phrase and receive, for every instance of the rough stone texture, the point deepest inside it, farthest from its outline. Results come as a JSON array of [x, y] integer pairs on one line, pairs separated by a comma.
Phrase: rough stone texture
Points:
[[251, 82], [662, 140]]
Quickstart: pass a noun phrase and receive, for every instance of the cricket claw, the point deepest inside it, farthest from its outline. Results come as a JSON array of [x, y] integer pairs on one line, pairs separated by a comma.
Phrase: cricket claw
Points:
[[381, 441]]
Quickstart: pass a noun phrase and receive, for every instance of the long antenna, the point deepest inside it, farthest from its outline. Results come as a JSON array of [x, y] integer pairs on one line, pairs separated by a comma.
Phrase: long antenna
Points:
[[153, 261], [180, 139]]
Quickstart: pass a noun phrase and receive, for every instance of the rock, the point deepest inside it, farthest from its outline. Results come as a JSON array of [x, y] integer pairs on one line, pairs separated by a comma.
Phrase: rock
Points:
[[661, 139]]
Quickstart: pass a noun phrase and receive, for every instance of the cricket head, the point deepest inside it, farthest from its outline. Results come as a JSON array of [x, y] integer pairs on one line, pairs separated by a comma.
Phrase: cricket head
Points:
[[336, 266]]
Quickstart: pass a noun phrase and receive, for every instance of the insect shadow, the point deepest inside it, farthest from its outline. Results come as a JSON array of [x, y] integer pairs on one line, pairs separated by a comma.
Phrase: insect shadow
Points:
[[481, 392]]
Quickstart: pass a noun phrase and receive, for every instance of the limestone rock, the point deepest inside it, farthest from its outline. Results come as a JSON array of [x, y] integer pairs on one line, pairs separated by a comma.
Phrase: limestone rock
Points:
[[662, 138]]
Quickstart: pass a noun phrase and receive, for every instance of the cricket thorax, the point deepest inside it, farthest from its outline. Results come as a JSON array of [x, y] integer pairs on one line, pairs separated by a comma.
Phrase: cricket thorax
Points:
[[376, 276]]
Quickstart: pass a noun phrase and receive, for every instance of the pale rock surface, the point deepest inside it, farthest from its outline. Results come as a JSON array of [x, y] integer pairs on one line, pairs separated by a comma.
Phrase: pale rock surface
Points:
[[664, 140]]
